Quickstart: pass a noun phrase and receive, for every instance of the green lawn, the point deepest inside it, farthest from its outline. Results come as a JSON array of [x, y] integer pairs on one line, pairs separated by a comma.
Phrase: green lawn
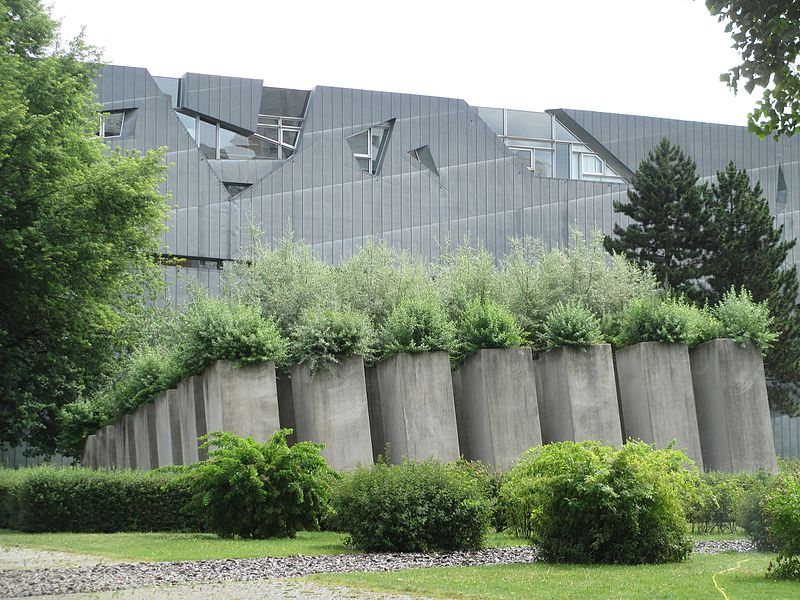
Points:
[[197, 546], [689, 580]]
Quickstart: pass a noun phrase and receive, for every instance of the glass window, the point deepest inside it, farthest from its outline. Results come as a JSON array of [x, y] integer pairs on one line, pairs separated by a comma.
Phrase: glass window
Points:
[[111, 124], [562, 160], [207, 138], [292, 122], [168, 85], [377, 137], [562, 133], [290, 137], [264, 148], [592, 165], [493, 118], [524, 154], [543, 163], [529, 124], [234, 145], [236, 188], [189, 122], [360, 143]]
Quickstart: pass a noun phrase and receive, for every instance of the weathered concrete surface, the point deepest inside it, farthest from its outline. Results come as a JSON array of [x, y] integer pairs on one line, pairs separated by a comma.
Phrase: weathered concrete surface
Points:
[[656, 395], [89, 456], [578, 399], [418, 411], [286, 406], [101, 449], [732, 410], [168, 429], [192, 417], [145, 437], [129, 426], [331, 407], [496, 406], [375, 414], [117, 436], [242, 400]]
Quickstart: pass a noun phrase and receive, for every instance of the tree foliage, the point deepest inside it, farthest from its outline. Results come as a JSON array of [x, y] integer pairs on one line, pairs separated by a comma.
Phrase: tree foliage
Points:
[[78, 225], [666, 208], [767, 35]]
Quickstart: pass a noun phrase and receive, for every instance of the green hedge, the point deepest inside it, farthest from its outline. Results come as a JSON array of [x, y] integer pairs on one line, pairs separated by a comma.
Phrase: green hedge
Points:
[[424, 506], [75, 499]]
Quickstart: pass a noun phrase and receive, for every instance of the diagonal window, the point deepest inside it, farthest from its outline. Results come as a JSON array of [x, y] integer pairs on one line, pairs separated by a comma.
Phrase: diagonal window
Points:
[[369, 146], [424, 157]]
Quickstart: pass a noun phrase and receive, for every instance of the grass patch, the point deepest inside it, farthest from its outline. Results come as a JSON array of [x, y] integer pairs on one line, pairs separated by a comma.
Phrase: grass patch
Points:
[[691, 579], [176, 546], [154, 547]]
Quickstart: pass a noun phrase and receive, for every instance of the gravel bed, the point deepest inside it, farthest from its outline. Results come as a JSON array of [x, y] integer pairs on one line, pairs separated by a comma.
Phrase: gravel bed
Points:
[[109, 577]]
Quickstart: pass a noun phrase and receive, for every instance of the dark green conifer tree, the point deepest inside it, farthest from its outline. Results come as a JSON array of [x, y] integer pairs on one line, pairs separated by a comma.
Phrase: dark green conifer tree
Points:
[[667, 212]]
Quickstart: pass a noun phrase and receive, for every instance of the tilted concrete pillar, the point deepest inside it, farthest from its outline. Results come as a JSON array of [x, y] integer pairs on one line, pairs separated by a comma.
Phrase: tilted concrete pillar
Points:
[[168, 429], [496, 404], [241, 400], [192, 416], [145, 437], [331, 407], [733, 417], [578, 395], [656, 395], [417, 406]]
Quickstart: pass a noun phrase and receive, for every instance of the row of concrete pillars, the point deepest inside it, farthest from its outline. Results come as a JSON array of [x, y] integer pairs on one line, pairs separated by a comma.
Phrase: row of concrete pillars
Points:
[[711, 401]]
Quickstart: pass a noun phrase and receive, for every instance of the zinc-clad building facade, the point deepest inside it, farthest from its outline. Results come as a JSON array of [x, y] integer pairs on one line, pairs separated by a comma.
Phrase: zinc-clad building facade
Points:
[[339, 166]]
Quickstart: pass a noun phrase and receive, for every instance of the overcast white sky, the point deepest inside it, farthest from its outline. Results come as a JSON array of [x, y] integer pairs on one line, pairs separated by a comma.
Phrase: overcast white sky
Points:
[[648, 57]]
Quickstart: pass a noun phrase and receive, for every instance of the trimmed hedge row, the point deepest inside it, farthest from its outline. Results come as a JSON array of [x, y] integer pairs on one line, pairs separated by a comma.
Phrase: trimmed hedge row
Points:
[[75, 499]]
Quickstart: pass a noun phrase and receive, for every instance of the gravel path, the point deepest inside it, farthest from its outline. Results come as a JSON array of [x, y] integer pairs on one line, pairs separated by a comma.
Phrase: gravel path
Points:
[[109, 577], [270, 589], [29, 558]]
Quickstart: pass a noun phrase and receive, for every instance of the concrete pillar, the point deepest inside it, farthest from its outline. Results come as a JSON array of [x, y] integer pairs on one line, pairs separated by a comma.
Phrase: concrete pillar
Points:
[[192, 416], [145, 437], [168, 429], [101, 455], [331, 407], [89, 456], [497, 407], [418, 411], [286, 406], [733, 418], [118, 438], [129, 425], [461, 418], [375, 414], [656, 396], [577, 395], [241, 400]]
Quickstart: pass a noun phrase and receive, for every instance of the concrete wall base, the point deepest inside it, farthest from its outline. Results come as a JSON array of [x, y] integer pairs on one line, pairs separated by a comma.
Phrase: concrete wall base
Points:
[[578, 395], [496, 406], [656, 395], [417, 407], [331, 407], [732, 409]]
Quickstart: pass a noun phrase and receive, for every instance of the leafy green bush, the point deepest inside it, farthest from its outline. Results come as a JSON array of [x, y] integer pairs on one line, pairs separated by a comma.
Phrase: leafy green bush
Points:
[[260, 490], [8, 479], [75, 499], [586, 502], [375, 279], [745, 320], [782, 508], [533, 280], [412, 507], [323, 337], [572, 324], [714, 507], [418, 323], [149, 371], [221, 329], [465, 274], [662, 320], [487, 324], [750, 514]]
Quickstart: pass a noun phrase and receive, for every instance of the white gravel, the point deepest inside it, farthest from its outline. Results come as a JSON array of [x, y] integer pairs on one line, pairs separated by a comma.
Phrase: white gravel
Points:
[[109, 577], [29, 558]]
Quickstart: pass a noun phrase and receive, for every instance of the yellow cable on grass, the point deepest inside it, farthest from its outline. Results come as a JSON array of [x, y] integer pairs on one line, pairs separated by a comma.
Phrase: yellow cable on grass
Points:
[[714, 577]]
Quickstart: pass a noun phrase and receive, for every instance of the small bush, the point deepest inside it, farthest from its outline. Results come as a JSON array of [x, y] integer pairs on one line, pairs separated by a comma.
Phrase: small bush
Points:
[[586, 502], [149, 371], [323, 337], [715, 505], [75, 499], [8, 479], [744, 320], [487, 324], [749, 512], [260, 490], [662, 320], [417, 324], [412, 507], [572, 324], [781, 506], [213, 329]]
